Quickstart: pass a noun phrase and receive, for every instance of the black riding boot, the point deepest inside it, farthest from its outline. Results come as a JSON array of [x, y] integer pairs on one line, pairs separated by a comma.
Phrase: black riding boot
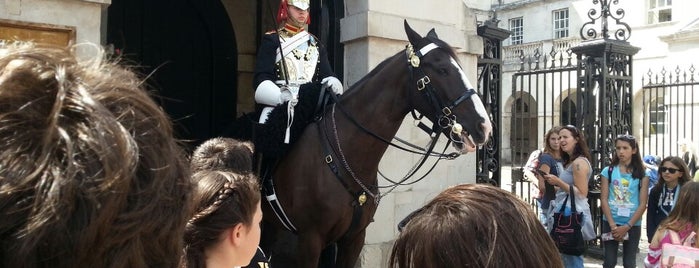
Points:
[[266, 168]]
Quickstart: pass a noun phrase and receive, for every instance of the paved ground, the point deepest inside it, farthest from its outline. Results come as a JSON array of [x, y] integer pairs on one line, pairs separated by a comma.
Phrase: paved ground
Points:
[[590, 261]]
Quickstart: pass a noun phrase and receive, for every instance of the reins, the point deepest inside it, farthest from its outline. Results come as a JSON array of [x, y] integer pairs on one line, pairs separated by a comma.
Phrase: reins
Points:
[[422, 151], [445, 120]]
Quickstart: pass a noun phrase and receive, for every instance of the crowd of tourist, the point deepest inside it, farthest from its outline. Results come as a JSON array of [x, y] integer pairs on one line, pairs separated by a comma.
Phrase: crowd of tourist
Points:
[[91, 175]]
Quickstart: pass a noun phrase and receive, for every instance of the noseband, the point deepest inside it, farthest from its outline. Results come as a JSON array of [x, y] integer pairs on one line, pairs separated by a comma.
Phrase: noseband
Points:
[[443, 115]]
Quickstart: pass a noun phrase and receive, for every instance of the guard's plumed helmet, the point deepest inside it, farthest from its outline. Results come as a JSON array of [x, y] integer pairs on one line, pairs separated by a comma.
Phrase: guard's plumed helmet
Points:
[[282, 14], [302, 4]]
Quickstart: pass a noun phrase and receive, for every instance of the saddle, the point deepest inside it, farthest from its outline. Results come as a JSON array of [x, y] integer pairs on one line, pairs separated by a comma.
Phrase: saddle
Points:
[[269, 137], [269, 140]]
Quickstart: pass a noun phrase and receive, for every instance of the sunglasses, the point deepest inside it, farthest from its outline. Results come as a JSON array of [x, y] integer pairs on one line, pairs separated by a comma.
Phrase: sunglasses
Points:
[[669, 170], [572, 129], [626, 137]]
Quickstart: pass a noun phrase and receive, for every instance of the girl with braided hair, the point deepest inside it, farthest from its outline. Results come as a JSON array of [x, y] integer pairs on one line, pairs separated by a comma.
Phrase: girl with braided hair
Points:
[[225, 229]]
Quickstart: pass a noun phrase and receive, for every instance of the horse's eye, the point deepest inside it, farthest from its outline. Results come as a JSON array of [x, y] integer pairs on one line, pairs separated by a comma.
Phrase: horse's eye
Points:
[[443, 71]]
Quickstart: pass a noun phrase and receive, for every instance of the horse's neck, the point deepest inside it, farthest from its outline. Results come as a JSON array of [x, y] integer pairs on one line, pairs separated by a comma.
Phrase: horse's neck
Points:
[[379, 105]]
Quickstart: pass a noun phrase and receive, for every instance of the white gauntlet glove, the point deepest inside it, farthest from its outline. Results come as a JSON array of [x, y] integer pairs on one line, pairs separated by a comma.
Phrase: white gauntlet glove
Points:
[[288, 95], [285, 95], [270, 94], [333, 83]]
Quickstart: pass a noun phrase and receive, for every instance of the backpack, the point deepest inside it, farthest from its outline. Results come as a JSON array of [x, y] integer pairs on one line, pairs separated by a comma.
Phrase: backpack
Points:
[[680, 254], [533, 161]]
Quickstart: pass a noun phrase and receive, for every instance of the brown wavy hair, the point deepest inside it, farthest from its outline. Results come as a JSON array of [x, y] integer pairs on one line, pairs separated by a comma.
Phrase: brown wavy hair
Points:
[[90, 174], [581, 148], [474, 225]]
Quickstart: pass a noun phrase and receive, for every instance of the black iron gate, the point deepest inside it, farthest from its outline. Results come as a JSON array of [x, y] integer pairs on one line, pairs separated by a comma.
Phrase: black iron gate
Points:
[[669, 102], [489, 86], [545, 95], [588, 85], [544, 90]]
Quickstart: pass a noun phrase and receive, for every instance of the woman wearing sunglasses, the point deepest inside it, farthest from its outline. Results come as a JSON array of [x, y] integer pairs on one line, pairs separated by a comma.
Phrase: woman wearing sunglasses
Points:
[[663, 196], [623, 197]]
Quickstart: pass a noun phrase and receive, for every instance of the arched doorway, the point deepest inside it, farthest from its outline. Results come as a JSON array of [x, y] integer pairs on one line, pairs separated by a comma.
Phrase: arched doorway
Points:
[[523, 126], [188, 48], [568, 111]]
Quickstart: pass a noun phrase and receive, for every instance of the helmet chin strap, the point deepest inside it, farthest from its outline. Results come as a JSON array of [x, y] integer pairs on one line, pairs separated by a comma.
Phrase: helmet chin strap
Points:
[[290, 20], [295, 23]]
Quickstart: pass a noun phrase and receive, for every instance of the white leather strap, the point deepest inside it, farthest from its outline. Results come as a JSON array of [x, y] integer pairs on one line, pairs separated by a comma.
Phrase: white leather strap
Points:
[[426, 49]]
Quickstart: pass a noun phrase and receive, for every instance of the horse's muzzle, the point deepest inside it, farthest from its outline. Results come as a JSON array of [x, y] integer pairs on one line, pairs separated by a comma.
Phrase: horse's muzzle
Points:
[[466, 143]]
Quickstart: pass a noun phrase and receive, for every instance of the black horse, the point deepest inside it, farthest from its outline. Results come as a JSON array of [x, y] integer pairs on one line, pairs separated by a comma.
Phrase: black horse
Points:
[[327, 206]]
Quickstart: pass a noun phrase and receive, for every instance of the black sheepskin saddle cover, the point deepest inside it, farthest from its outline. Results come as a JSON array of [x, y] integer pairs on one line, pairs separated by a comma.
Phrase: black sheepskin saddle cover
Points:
[[269, 137]]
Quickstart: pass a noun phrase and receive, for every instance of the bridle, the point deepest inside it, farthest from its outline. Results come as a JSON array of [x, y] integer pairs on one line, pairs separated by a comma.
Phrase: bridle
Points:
[[443, 118], [443, 115]]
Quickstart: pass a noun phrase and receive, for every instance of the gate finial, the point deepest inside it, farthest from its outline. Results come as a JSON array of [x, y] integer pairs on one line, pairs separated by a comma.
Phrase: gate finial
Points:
[[588, 30]]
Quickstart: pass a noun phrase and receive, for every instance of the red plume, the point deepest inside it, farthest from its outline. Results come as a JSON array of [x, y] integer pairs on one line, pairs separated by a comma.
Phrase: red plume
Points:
[[282, 13]]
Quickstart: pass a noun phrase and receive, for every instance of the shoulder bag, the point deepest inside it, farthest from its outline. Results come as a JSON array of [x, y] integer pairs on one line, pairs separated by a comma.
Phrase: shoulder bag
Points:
[[567, 229]]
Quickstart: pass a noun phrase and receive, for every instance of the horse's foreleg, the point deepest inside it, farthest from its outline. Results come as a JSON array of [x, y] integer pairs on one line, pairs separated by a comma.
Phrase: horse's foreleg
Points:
[[309, 248], [348, 250]]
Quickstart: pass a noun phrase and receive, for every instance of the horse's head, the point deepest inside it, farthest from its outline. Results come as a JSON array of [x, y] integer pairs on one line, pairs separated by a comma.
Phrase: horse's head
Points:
[[443, 93]]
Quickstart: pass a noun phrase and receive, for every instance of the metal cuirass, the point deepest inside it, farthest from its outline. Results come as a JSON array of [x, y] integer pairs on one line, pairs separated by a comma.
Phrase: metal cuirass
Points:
[[301, 61]]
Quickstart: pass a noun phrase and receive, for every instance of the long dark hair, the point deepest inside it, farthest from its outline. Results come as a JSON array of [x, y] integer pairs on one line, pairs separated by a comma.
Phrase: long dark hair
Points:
[[581, 148], [677, 161], [638, 169]]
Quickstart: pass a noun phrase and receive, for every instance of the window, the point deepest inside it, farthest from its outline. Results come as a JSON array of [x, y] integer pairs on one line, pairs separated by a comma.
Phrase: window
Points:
[[560, 23], [659, 11], [656, 116], [516, 27]]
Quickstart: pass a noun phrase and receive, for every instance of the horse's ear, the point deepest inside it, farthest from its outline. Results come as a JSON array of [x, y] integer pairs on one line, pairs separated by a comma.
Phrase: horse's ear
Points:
[[413, 36], [432, 34]]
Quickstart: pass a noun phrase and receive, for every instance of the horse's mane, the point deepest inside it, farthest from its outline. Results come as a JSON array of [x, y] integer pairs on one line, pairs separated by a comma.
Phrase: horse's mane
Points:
[[441, 44], [374, 71]]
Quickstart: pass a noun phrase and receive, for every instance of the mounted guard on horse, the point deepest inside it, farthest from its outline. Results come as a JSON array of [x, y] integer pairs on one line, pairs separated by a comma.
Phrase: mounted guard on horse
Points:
[[325, 176]]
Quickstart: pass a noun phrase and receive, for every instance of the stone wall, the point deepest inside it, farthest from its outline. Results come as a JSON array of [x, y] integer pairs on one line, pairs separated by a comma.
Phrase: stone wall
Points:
[[85, 15]]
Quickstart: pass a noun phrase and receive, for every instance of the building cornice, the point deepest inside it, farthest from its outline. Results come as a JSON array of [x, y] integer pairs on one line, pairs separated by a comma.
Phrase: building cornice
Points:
[[681, 36], [515, 5], [104, 2]]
